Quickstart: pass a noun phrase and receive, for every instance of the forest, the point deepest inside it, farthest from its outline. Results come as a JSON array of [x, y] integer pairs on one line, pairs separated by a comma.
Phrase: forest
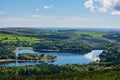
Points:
[[43, 40]]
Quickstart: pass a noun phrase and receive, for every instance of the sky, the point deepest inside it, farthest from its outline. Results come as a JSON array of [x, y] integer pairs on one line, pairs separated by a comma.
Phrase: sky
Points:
[[60, 13]]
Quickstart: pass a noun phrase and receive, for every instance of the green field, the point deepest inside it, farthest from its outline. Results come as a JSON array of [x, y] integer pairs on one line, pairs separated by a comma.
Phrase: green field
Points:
[[7, 38], [98, 35]]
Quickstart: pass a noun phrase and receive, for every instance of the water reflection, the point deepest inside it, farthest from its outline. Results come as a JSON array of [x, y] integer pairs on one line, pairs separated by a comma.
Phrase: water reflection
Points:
[[94, 55], [66, 58]]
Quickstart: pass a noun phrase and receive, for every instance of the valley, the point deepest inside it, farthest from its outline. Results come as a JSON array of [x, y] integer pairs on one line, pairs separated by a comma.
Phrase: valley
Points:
[[43, 53]]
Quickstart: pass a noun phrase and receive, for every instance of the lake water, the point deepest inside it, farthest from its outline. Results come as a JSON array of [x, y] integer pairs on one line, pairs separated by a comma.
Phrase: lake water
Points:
[[65, 58]]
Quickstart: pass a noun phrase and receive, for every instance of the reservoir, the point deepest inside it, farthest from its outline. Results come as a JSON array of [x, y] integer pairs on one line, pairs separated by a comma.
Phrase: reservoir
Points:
[[65, 58]]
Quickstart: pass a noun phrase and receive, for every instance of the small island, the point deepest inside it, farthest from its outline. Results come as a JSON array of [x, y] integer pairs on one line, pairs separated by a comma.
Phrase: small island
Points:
[[36, 57], [25, 57]]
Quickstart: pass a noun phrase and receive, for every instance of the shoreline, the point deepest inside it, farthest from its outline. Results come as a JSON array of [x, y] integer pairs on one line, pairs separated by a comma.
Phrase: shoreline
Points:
[[49, 50], [62, 51], [20, 48], [13, 60]]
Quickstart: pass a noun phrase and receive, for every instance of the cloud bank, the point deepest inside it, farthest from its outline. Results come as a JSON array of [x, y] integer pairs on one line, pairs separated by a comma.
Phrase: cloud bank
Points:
[[41, 20], [104, 6]]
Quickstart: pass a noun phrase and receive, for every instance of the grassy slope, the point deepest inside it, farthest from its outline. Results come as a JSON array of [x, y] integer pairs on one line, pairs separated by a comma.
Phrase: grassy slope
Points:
[[13, 38], [92, 34]]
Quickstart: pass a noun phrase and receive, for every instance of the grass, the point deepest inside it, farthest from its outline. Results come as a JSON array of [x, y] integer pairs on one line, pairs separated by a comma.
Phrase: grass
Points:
[[92, 34], [7, 38]]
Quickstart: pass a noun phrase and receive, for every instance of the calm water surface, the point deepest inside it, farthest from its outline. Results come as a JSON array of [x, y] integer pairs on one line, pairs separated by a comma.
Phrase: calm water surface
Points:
[[66, 58]]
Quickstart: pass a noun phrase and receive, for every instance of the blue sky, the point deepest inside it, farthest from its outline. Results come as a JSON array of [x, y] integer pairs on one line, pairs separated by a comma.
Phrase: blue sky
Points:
[[60, 13]]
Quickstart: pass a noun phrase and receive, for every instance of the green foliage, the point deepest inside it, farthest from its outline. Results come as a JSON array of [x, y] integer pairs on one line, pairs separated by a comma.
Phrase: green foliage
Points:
[[32, 56], [6, 51], [63, 41], [111, 55], [107, 74], [63, 46], [113, 36], [28, 56]]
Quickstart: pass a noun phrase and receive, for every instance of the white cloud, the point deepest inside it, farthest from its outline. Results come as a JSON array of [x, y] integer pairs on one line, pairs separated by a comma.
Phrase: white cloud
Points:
[[89, 4], [48, 6], [103, 5], [115, 13]]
